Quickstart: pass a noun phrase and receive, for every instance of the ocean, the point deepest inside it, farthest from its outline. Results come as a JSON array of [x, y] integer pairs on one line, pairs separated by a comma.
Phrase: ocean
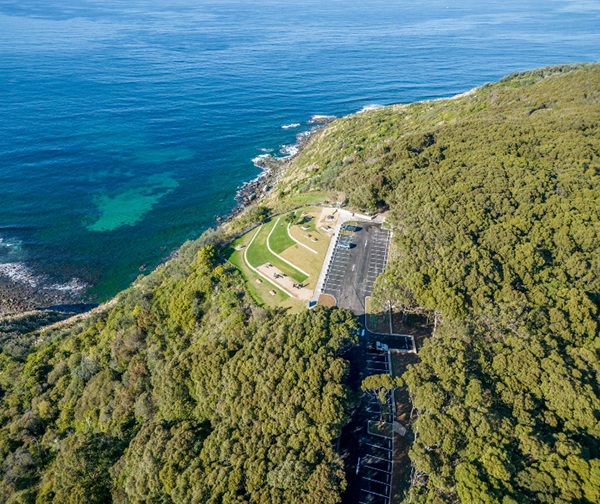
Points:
[[126, 126]]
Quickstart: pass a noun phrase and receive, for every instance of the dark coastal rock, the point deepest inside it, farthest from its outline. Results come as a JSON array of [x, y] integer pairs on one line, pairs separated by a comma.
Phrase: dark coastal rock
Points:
[[321, 120], [18, 297], [273, 168]]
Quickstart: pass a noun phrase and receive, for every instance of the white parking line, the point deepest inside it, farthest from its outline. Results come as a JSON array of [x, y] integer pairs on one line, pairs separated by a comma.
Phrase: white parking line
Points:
[[379, 470], [378, 458], [377, 481], [378, 447]]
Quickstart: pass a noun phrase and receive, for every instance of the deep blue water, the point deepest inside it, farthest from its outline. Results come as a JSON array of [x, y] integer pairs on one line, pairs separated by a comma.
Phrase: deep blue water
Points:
[[127, 125]]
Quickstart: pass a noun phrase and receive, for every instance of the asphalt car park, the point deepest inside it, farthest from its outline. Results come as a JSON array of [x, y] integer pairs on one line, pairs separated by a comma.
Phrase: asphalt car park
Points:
[[398, 342], [352, 271], [376, 465], [358, 259]]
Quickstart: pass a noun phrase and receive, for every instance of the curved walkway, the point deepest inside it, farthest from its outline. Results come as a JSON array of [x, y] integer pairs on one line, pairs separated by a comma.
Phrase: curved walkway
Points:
[[277, 255], [298, 242], [258, 272]]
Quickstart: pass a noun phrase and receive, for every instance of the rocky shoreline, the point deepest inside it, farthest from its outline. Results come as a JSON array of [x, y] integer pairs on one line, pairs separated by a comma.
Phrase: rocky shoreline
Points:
[[19, 297], [273, 169]]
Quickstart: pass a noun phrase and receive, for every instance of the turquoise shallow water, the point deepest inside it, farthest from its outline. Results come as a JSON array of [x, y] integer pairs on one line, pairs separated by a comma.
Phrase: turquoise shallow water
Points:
[[126, 126]]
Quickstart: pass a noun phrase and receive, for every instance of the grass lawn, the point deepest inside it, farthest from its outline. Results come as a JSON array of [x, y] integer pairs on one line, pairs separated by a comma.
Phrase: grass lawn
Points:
[[280, 239], [309, 262], [314, 198], [281, 243], [259, 292], [258, 254], [323, 239]]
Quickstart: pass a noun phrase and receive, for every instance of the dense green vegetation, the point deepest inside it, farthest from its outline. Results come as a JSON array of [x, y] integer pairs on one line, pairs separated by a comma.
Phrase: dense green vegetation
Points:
[[494, 202], [185, 391], [15, 330]]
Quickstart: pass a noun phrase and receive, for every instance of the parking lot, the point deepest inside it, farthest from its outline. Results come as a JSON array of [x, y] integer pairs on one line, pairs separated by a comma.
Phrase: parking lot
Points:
[[376, 465], [352, 271], [350, 278]]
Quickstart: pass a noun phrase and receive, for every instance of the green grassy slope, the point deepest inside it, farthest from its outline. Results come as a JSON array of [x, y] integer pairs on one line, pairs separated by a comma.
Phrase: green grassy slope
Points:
[[258, 254], [280, 239]]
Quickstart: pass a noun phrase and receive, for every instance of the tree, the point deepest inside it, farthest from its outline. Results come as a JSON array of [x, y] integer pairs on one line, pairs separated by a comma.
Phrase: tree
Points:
[[380, 385], [290, 218]]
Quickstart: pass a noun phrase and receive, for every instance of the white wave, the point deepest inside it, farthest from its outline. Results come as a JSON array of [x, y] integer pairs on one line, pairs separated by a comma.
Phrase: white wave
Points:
[[21, 273], [8, 243], [290, 150], [259, 159], [265, 149], [373, 106], [288, 126], [74, 285], [320, 118]]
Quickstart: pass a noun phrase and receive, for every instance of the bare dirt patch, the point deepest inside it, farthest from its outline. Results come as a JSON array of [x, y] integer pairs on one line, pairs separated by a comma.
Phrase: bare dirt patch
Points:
[[326, 300], [286, 283], [323, 222]]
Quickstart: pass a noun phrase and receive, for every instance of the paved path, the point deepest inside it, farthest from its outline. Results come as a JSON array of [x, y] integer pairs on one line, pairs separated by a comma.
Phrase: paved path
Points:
[[277, 255], [258, 272], [299, 242]]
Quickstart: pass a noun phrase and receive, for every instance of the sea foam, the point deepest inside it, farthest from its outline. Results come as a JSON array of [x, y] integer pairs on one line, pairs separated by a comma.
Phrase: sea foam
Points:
[[373, 106], [258, 160], [321, 119], [19, 272]]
